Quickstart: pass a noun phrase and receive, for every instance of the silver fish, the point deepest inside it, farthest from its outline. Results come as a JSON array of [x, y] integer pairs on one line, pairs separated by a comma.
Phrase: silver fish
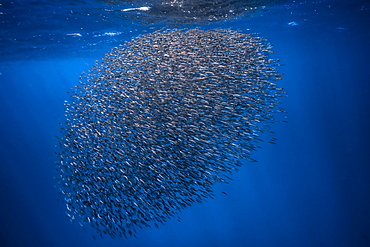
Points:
[[159, 120]]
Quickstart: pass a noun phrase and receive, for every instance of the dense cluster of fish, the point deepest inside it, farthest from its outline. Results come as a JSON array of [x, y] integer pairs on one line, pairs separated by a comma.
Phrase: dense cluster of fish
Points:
[[161, 119]]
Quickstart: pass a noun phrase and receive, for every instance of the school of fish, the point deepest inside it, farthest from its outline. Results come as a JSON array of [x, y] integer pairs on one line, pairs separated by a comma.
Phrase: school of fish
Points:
[[159, 120]]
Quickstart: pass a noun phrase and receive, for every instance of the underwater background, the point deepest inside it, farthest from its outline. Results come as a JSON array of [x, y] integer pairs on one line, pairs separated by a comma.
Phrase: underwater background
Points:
[[311, 188]]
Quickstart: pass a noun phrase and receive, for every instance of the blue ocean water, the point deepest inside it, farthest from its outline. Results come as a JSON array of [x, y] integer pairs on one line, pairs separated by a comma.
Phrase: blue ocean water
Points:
[[309, 189]]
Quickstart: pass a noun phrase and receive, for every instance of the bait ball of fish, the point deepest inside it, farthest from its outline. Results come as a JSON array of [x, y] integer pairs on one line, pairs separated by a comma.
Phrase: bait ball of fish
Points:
[[161, 119]]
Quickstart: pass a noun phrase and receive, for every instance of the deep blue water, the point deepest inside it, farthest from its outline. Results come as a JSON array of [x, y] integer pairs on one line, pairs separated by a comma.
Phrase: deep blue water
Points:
[[310, 189]]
